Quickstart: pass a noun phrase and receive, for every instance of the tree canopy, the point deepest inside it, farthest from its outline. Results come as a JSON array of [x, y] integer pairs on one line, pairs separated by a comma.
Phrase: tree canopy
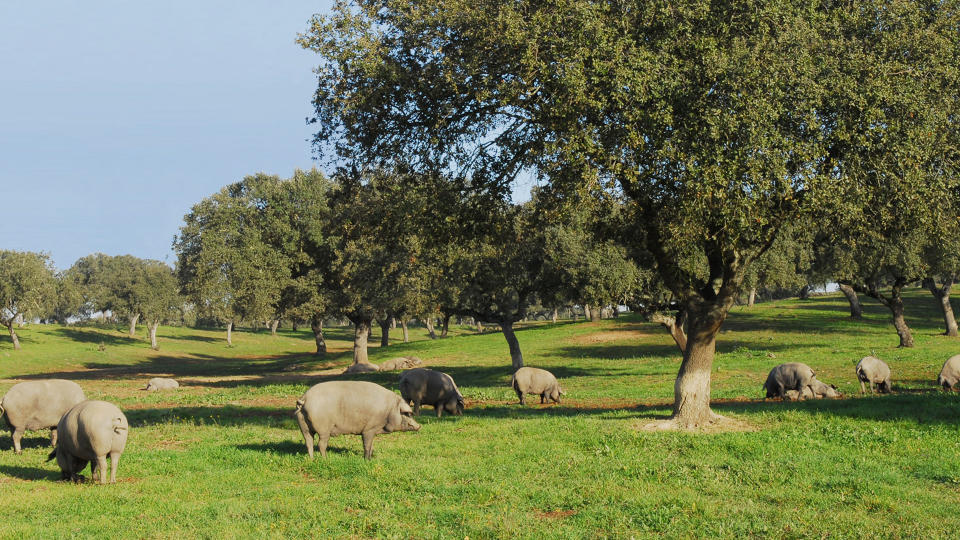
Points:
[[28, 289]]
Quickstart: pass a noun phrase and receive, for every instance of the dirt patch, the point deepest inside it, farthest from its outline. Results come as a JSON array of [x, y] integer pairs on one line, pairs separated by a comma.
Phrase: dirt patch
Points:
[[607, 337], [719, 424], [556, 514]]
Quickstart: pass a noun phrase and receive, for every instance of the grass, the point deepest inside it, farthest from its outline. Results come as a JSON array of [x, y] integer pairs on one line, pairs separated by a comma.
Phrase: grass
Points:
[[222, 457]]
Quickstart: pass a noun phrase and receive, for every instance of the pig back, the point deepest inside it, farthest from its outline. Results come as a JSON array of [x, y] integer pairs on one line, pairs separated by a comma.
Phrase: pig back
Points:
[[36, 405], [93, 428], [341, 407], [534, 380]]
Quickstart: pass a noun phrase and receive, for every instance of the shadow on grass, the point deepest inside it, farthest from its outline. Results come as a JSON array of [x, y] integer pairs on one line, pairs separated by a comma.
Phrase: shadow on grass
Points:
[[105, 337], [228, 415], [923, 407], [294, 447], [33, 439], [29, 473]]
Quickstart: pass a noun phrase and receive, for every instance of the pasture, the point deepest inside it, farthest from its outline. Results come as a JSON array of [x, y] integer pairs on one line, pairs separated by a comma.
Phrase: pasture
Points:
[[223, 457]]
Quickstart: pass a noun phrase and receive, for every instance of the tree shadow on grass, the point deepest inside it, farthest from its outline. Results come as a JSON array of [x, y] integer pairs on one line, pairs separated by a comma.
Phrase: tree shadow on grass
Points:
[[29, 473], [537, 411], [107, 338], [228, 415], [917, 407]]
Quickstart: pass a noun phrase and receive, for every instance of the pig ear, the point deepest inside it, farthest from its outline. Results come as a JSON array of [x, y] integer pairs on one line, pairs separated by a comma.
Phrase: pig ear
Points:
[[404, 407]]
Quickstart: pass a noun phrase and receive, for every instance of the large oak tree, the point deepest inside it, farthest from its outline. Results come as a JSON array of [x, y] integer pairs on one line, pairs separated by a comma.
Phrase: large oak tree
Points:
[[720, 120]]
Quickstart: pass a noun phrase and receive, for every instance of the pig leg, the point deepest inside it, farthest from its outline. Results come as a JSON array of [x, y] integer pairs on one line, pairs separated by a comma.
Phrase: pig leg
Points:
[[307, 436], [873, 389], [368, 443], [53, 437], [863, 389], [519, 395], [114, 460], [102, 468], [439, 409], [543, 398], [322, 443], [17, 434], [416, 406]]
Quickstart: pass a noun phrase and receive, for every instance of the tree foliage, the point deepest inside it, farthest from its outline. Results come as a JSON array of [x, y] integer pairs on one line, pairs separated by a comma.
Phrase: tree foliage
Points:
[[28, 288]]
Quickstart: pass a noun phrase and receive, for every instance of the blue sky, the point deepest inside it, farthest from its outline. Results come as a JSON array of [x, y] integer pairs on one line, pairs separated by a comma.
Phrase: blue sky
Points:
[[117, 116]]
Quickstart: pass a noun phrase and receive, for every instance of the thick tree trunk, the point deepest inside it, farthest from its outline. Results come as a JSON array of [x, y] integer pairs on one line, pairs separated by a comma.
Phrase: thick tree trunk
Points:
[[133, 324], [942, 294], [273, 326], [446, 326], [153, 335], [13, 336], [691, 391], [385, 325], [316, 324], [856, 310], [615, 311], [553, 316], [295, 325], [230, 333], [406, 333], [596, 313], [752, 298], [428, 321], [516, 357], [360, 335], [586, 312], [479, 326]]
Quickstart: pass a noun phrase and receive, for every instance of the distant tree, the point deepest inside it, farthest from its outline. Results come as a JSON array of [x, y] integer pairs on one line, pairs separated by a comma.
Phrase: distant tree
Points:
[[942, 256], [69, 301], [28, 288], [224, 264], [375, 234], [158, 297], [786, 265], [300, 217]]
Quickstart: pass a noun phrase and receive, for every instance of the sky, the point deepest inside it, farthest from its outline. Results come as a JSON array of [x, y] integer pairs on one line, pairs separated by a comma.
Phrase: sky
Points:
[[117, 116]]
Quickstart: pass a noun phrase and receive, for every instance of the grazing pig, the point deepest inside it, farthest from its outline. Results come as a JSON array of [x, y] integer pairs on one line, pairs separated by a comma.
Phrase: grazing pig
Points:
[[875, 371], [528, 380], [350, 407], [950, 374], [34, 405], [789, 376], [89, 432], [429, 387], [404, 362], [158, 383]]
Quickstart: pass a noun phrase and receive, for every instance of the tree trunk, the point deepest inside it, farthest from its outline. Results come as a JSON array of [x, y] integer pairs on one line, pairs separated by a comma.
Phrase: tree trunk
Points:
[[942, 294], [691, 391], [586, 312], [230, 333], [428, 321], [360, 335], [393, 323], [316, 324], [615, 311], [133, 324], [445, 326], [385, 325], [273, 326], [406, 333], [752, 298], [153, 335], [805, 292], [856, 310], [13, 335], [295, 325], [479, 326], [906, 339], [596, 313], [516, 357], [553, 316]]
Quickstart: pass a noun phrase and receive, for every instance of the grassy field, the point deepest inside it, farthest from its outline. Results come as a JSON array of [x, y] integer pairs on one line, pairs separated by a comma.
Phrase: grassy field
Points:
[[223, 457]]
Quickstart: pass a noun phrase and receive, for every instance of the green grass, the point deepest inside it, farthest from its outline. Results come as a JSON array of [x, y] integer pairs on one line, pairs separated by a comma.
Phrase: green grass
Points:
[[222, 457]]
